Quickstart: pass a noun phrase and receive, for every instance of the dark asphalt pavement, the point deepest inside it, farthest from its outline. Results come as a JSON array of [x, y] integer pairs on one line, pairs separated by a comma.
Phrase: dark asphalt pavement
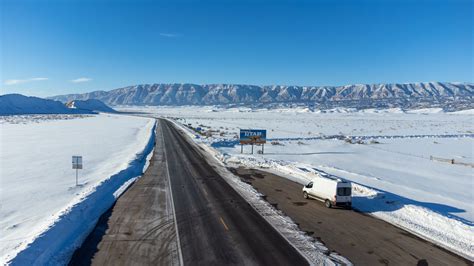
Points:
[[216, 226]]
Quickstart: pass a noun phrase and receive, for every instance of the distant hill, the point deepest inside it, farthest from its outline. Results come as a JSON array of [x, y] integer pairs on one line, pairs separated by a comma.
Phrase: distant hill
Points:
[[91, 105], [17, 104], [361, 95]]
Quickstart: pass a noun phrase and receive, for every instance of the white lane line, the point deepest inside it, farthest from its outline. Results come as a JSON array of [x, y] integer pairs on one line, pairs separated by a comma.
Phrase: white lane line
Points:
[[180, 254]]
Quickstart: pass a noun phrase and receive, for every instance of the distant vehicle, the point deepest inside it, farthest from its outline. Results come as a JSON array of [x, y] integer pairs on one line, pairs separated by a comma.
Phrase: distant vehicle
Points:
[[331, 191]]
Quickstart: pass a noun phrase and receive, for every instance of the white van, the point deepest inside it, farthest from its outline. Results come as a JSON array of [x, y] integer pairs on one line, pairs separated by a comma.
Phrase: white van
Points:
[[331, 191]]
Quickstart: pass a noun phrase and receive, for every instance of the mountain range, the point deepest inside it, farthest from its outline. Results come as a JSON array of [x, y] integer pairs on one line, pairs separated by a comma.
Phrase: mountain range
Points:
[[360, 95]]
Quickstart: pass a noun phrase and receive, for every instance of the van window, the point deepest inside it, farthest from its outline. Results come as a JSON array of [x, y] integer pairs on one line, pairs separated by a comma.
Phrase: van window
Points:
[[309, 185], [344, 191]]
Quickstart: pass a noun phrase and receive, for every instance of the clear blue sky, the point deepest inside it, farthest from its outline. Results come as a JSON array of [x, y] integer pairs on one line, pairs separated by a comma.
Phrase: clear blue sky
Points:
[[58, 47]]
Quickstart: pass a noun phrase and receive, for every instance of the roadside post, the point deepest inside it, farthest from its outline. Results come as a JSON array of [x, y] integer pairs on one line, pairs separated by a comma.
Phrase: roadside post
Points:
[[76, 164], [252, 137]]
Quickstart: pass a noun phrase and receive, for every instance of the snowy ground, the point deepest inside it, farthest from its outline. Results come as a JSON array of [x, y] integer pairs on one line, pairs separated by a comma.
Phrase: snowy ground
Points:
[[394, 177], [44, 215], [301, 123], [401, 166]]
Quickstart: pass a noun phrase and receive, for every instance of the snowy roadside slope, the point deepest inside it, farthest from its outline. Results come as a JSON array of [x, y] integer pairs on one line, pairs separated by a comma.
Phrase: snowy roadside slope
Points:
[[44, 216]]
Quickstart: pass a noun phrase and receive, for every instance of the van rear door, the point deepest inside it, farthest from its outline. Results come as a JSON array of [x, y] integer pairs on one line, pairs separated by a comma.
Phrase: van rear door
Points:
[[344, 193]]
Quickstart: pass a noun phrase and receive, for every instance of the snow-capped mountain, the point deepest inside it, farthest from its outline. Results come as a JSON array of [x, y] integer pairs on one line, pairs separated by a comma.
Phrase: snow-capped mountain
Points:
[[224, 94], [16, 104], [91, 105]]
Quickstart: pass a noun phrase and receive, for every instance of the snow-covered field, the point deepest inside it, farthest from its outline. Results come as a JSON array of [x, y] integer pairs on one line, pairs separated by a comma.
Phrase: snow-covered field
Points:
[[394, 175], [302, 123], [44, 216]]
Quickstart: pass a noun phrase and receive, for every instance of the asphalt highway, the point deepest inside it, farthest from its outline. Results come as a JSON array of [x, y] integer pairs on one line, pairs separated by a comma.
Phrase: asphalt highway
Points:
[[216, 225], [182, 211]]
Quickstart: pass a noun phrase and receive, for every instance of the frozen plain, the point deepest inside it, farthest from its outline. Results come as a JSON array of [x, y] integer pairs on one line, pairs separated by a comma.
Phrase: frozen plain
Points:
[[394, 178], [43, 213]]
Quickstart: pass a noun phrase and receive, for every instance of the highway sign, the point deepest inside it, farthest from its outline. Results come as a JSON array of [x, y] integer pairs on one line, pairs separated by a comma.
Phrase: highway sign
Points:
[[253, 136], [76, 162]]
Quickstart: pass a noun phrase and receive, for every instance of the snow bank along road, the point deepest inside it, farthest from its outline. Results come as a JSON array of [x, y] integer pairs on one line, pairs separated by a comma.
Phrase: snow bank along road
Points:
[[140, 227], [361, 238], [44, 217], [215, 225]]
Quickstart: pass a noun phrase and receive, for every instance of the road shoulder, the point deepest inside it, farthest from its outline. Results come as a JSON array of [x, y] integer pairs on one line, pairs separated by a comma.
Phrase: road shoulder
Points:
[[360, 238]]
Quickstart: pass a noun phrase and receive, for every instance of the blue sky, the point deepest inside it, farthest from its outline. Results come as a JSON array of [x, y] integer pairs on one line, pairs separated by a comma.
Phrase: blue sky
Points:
[[57, 47]]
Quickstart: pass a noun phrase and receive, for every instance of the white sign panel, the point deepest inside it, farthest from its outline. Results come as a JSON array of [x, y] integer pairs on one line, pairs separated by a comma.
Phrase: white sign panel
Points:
[[76, 162]]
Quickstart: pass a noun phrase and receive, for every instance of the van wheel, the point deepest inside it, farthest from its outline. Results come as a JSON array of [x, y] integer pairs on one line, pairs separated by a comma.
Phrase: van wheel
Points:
[[305, 195], [327, 203]]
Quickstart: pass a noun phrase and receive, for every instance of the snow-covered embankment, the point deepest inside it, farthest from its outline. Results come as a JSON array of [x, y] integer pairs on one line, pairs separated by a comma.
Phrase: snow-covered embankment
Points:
[[44, 216]]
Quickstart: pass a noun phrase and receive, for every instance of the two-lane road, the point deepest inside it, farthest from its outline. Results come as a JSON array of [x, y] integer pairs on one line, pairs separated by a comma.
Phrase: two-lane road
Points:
[[212, 223], [215, 224]]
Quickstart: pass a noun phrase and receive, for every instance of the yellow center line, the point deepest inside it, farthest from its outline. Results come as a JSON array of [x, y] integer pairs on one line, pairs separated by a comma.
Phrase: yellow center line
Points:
[[225, 226]]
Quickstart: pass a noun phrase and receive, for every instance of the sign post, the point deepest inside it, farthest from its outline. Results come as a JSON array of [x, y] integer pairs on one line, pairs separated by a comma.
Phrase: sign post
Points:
[[252, 137], [76, 164]]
